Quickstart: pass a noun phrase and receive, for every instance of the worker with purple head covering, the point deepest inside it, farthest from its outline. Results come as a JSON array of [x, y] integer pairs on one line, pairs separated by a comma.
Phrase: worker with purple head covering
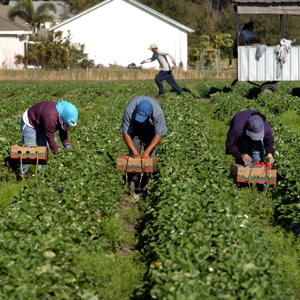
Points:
[[40, 122], [249, 134]]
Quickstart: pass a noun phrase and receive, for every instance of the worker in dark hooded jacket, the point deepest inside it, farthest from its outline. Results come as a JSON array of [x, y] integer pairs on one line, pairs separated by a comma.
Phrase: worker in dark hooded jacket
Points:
[[249, 134], [40, 122]]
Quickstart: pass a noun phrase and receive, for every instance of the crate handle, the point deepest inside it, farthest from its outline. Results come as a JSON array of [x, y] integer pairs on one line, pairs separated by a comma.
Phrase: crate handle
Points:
[[132, 156]]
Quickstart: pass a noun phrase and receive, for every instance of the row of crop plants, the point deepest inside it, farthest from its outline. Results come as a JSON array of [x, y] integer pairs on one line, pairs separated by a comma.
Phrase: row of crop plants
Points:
[[198, 240], [287, 145], [15, 98], [65, 212]]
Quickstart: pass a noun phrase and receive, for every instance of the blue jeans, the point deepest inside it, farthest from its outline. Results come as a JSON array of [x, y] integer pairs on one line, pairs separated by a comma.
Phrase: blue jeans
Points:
[[139, 137], [168, 76], [255, 149], [33, 136]]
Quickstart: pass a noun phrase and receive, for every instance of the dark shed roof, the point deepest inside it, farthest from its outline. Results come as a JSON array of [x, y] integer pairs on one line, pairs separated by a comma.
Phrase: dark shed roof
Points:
[[268, 7], [265, 1]]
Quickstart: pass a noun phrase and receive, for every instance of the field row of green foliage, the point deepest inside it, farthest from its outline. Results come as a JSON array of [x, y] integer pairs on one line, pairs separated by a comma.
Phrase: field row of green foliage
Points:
[[228, 101], [68, 212], [199, 240]]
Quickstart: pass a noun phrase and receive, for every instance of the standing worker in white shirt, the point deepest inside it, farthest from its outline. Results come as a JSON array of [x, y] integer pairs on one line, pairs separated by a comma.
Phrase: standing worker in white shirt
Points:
[[248, 32], [166, 70]]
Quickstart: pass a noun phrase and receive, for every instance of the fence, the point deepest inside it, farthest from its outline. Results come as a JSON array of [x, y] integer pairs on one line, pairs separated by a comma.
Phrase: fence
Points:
[[113, 74]]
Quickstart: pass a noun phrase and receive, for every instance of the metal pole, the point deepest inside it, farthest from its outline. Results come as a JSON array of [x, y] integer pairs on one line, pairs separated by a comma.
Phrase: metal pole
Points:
[[237, 25], [237, 40], [281, 26]]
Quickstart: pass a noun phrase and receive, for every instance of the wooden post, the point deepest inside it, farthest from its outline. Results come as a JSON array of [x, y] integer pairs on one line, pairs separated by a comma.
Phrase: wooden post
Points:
[[202, 59], [219, 60]]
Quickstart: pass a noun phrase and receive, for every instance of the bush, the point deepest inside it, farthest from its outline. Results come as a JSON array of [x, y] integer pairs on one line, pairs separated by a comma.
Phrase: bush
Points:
[[55, 52], [207, 88], [246, 89]]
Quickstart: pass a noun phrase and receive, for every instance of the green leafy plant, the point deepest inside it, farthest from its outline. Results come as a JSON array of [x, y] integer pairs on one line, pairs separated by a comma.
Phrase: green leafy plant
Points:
[[55, 52]]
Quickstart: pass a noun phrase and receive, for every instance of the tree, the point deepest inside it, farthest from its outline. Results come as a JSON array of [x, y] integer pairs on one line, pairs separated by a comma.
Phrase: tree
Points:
[[73, 7], [24, 9], [216, 40], [55, 52]]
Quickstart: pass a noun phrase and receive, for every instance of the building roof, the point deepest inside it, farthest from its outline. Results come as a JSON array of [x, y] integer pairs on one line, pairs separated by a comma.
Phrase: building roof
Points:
[[134, 2], [268, 7], [36, 4], [266, 1], [8, 26]]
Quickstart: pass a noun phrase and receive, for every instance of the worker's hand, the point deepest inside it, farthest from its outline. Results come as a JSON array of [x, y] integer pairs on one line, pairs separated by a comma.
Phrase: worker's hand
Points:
[[141, 62], [270, 159], [246, 158], [135, 154], [175, 64], [145, 155], [68, 146]]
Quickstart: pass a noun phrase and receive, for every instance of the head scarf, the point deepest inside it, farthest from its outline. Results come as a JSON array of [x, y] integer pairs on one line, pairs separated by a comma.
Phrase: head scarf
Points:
[[67, 112]]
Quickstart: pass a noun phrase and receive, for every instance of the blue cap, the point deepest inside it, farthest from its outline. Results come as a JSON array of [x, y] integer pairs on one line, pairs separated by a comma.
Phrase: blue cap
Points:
[[68, 112], [255, 128], [143, 111]]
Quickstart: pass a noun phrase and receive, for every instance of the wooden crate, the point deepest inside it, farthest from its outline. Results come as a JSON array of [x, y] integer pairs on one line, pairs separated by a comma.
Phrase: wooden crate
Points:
[[257, 174], [126, 163], [29, 154]]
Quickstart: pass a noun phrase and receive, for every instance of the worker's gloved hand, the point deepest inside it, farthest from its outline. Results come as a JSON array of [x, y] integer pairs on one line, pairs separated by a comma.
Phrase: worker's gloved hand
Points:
[[270, 159], [246, 158], [68, 146]]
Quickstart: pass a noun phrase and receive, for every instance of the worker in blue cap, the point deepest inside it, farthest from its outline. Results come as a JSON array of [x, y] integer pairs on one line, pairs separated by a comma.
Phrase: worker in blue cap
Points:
[[143, 123]]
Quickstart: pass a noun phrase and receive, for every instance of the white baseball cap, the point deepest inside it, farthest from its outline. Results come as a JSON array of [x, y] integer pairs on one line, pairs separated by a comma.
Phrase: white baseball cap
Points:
[[152, 46]]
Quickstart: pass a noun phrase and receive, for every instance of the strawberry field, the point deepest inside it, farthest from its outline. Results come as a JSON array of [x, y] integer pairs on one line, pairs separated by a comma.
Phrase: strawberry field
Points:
[[64, 231]]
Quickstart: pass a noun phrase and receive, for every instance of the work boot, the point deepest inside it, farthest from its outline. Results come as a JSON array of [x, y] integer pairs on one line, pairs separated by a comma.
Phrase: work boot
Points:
[[134, 187], [144, 182], [160, 95]]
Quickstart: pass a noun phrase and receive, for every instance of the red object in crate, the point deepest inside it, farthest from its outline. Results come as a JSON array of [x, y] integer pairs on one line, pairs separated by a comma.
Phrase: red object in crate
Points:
[[29, 155], [126, 163]]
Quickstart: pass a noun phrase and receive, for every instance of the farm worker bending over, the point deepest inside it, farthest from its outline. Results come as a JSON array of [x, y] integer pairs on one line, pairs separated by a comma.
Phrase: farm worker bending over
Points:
[[143, 122], [40, 122], [166, 70], [249, 133]]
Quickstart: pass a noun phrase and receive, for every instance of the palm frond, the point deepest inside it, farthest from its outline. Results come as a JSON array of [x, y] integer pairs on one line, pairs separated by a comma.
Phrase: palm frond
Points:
[[44, 17], [45, 7], [23, 9]]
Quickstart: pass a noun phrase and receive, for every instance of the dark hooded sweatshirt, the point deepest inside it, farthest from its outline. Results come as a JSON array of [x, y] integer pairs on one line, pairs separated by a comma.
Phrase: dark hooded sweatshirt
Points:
[[43, 116], [237, 130]]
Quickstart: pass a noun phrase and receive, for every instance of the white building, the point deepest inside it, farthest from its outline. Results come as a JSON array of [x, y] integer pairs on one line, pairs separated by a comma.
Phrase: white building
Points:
[[13, 38], [121, 31]]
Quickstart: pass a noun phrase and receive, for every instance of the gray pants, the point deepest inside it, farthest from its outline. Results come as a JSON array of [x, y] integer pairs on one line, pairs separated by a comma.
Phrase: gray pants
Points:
[[139, 137]]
